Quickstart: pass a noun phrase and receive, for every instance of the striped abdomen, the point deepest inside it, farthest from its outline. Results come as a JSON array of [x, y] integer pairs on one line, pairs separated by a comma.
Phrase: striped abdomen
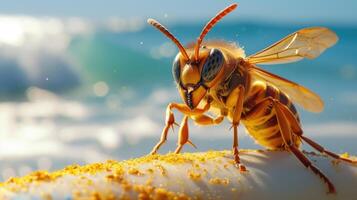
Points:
[[259, 117]]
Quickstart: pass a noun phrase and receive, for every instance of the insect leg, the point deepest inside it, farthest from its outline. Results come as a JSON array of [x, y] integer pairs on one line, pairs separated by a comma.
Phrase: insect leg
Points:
[[286, 133], [297, 130], [170, 120], [207, 120], [323, 150], [183, 137], [183, 108], [239, 95], [307, 163], [294, 123]]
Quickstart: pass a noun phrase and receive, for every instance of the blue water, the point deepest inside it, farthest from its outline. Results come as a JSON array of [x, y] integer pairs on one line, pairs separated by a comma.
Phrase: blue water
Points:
[[78, 125]]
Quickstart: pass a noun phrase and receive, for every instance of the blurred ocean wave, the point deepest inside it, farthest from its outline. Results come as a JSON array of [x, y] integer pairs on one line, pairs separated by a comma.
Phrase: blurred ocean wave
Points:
[[77, 91], [34, 51]]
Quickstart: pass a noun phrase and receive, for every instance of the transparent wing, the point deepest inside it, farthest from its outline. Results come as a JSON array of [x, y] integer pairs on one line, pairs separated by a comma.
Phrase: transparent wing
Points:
[[297, 93], [305, 43]]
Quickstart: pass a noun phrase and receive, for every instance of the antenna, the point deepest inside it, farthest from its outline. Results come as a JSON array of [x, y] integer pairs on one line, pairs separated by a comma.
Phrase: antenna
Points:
[[210, 24], [169, 35]]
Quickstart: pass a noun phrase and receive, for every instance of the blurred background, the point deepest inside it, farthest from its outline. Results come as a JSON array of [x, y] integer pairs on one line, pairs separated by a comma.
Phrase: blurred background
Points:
[[86, 81]]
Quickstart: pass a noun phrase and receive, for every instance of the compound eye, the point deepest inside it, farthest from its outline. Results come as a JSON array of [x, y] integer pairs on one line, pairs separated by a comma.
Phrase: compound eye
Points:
[[212, 65], [176, 69]]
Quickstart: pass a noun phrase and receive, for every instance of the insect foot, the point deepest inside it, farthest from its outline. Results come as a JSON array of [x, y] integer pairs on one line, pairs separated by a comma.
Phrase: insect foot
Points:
[[183, 136], [237, 163], [169, 122], [241, 167]]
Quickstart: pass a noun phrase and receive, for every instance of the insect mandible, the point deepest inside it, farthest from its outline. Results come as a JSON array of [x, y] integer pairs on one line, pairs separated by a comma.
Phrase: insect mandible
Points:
[[217, 77]]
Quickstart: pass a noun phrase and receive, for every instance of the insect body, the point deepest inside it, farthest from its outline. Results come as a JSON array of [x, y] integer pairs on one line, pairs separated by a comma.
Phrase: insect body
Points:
[[216, 77]]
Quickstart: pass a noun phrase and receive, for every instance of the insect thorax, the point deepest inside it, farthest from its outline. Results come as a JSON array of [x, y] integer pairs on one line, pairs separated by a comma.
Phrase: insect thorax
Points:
[[236, 78]]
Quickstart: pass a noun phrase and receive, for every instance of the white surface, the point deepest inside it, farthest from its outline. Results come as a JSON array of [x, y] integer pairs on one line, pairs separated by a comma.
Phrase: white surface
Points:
[[272, 175]]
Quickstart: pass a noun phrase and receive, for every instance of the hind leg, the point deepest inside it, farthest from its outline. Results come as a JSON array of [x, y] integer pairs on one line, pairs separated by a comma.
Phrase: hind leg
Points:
[[298, 131], [286, 131], [327, 152]]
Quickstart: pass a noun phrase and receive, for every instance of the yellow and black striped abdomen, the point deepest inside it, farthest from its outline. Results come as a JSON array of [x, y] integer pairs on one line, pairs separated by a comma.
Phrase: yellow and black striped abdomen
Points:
[[259, 117]]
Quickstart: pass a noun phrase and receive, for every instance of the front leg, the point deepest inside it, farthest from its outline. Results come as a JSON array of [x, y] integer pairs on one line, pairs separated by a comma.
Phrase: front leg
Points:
[[170, 120], [207, 120], [202, 119], [183, 137], [237, 95]]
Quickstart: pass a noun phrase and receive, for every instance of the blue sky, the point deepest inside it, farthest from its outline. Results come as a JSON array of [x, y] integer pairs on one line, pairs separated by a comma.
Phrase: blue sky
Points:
[[333, 11]]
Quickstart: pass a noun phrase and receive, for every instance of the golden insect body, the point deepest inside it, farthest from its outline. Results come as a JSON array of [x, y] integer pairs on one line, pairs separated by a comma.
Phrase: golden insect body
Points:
[[217, 77]]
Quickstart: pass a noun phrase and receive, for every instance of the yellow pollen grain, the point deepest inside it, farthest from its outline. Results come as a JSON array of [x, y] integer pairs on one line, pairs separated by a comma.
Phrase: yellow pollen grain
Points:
[[161, 193], [162, 170], [149, 181], [196, 165], [150, 170], [219, 181], [194, 175], [134, 171], [114, 178], [116, 172], [95, 196], [345, 155], [126, 186]]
